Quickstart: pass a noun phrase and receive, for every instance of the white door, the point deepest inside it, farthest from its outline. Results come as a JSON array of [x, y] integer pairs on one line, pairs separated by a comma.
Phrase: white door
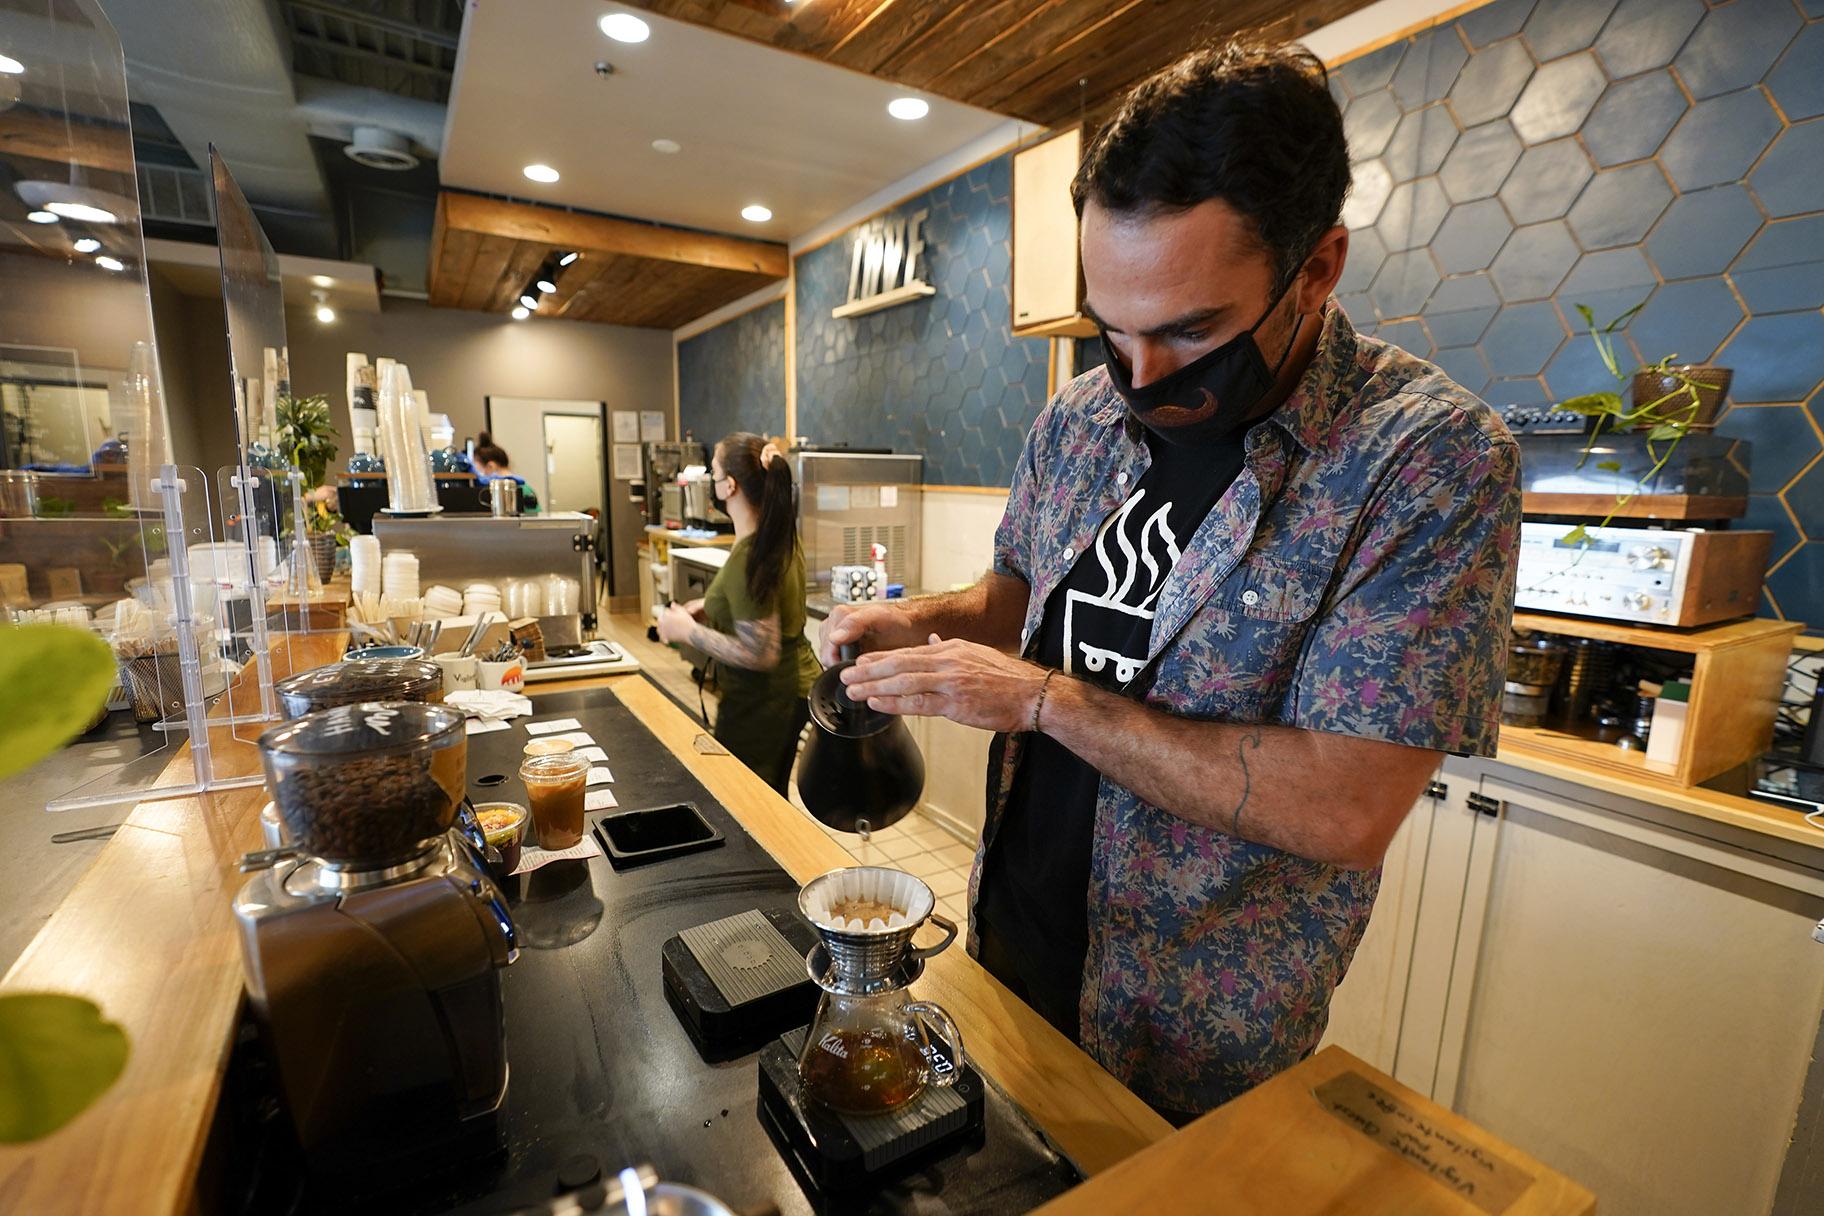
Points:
[[573, 462]]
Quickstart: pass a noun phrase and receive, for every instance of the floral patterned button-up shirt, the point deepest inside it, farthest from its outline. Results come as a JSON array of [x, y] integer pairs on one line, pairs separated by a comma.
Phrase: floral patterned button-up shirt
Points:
[[1357, 577]]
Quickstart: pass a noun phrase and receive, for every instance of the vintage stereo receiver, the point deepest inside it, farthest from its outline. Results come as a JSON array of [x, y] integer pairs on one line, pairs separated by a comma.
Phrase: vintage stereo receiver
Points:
[[1646, 575]]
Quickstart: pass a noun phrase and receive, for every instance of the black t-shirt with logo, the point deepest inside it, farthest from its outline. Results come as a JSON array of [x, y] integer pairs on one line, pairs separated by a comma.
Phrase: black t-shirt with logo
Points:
[[1032, 910]]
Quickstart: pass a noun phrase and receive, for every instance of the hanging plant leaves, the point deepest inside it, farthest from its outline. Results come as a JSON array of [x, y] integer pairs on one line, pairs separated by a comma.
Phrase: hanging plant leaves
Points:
[[57, 1055], [54, 679], [1577, 536], [1609, 466]]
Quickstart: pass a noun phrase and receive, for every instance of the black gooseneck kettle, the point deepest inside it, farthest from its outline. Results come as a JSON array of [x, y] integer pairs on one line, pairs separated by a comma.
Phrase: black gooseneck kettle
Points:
[[860, 771]]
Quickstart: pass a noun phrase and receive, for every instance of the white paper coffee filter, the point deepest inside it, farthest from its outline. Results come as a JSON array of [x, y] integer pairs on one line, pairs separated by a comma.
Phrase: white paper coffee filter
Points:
[[896, 889]]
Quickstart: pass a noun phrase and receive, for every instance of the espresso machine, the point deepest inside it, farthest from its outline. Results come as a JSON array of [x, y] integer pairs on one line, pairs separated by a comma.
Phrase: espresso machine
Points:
[[373, 951]]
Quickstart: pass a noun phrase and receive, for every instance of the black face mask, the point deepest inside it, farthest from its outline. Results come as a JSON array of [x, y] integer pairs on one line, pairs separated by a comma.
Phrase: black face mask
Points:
[[1207, 398]]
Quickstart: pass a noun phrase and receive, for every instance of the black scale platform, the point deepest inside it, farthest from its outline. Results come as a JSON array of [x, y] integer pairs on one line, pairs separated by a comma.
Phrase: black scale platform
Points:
[[606, 1072]]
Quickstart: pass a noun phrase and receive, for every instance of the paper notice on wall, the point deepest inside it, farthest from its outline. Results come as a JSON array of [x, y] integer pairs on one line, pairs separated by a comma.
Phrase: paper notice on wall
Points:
[[626, 462], [832, 498], [889, 496], [864, 498], [626, 426], [652, 426]]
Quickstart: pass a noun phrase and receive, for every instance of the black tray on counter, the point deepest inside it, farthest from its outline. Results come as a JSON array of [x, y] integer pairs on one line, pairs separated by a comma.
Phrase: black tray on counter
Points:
[[603, 1069]]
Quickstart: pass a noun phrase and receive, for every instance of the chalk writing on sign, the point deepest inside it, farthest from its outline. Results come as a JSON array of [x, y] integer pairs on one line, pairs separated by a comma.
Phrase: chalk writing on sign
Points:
[[1472, 1170]]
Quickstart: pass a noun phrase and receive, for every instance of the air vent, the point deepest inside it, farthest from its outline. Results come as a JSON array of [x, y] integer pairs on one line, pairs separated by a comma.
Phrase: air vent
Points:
[[176, 195], [378, 148]]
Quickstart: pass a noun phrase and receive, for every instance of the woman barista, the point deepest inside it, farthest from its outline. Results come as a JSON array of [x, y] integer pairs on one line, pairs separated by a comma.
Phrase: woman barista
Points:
[[751, 621]]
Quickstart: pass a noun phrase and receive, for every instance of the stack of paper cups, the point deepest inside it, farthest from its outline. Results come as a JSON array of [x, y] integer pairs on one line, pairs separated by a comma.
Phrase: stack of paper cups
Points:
[[364, 565], [399, 575], [441, 601], [478, 598], [410, 484]]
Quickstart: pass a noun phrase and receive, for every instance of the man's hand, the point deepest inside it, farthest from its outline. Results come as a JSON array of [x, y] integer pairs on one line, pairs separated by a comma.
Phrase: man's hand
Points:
[[873, 626], [962, 681]]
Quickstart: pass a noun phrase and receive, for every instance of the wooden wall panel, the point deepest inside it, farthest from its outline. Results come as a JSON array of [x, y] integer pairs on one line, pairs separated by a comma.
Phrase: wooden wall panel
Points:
[[485, 252], [1017, 57]]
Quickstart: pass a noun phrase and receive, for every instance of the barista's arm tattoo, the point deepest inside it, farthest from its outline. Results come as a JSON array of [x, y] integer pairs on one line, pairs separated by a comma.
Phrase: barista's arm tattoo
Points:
[[754, 646], [1249, 741]]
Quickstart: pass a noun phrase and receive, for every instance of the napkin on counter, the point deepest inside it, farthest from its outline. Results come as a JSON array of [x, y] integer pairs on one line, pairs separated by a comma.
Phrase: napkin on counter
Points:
[[489, 704]]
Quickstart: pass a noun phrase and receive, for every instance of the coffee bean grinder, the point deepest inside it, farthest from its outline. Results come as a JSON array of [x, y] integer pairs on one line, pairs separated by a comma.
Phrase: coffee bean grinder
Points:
[[373, 954]]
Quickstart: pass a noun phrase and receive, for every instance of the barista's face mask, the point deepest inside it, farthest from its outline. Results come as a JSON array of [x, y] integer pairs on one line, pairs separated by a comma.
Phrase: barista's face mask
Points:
[[716, 481], [1211, 395]]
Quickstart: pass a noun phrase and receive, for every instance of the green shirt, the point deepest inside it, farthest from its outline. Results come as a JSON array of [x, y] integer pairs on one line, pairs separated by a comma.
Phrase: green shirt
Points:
[[728, 601]]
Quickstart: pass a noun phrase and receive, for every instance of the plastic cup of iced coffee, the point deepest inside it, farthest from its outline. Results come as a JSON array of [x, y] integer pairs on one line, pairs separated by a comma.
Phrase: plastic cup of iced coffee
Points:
[[555, 787]]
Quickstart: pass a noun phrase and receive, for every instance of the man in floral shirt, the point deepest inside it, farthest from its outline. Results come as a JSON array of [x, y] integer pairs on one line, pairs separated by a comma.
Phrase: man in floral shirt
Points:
[[1253, 579]]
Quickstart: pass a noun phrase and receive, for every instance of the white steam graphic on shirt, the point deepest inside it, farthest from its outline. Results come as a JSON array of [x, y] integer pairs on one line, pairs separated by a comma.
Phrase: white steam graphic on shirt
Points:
[[1158, 552]]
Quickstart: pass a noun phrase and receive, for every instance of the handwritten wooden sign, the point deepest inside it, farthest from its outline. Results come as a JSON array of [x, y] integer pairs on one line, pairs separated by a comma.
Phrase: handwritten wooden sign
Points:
[[1472, 1171]]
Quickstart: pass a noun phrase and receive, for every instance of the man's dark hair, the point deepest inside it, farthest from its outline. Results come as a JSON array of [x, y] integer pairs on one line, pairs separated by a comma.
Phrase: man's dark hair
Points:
[[1252, 125]]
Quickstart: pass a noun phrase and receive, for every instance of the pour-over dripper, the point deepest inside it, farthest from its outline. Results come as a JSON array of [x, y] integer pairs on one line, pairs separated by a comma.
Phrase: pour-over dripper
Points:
[[864, 953]]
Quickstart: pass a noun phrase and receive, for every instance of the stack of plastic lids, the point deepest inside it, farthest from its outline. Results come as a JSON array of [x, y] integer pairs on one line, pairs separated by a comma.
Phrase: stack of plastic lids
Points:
[[478, 598], [364, 565], [399, 575], [523, 597], [562, 596], [441, 601]]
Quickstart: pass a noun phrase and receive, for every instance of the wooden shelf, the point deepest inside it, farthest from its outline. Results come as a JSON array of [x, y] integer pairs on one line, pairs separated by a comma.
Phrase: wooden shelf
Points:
[[1738, 673], [1753, 631], [1672, 507]]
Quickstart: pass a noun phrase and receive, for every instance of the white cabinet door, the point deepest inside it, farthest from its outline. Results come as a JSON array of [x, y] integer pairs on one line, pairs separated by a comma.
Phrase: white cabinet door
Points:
[[1643, 1008], [1367, 1008]]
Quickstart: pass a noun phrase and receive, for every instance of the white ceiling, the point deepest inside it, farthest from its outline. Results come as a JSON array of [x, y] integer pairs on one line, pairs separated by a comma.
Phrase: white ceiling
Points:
[[757, 125], [196, 270]]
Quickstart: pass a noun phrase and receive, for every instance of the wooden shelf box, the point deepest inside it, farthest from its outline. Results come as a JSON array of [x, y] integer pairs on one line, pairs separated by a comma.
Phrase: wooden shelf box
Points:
[[1739, 669]]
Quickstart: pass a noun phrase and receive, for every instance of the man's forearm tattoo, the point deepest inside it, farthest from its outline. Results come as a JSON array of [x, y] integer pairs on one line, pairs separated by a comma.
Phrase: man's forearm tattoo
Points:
[[1249, 741]]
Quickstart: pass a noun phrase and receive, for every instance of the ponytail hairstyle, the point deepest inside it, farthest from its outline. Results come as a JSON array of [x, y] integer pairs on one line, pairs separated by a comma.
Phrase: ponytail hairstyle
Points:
[[759, 467], [489, 452]]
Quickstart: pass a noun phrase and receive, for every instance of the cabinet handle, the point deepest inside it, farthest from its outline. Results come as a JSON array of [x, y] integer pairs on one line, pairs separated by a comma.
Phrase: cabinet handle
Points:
[[1437, 789], [1482, 804], [1817, 932]]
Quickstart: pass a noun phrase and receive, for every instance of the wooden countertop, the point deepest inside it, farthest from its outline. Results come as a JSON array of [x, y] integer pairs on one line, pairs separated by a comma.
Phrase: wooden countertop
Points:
[[1330, 1135], [148, 935]]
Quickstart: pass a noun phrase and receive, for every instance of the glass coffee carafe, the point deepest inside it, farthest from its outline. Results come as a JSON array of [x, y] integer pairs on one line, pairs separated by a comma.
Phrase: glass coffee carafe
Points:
[[868, 1050]]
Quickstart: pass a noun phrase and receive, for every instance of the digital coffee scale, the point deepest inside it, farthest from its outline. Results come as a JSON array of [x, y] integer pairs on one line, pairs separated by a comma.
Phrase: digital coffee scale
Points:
[[739, 985]]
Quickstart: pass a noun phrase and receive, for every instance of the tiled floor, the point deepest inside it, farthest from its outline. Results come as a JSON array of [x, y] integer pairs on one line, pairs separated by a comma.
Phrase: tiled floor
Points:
[[916, 844]]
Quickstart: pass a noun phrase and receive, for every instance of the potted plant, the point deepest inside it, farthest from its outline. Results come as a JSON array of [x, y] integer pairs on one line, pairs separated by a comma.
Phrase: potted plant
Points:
[[307, 438], [1668, 400]]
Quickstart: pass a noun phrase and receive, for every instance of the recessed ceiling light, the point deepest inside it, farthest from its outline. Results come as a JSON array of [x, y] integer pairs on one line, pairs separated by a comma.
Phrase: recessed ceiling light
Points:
[[568, 258], [107, 263], [546, 287], [321, 280], [908, 108], [325, 314], [756, 214], [541, 173], [82, 211], [41, 217], [625, 27], [528, 301], [87, 244], [667, 146], [521, 313], [10, 66]]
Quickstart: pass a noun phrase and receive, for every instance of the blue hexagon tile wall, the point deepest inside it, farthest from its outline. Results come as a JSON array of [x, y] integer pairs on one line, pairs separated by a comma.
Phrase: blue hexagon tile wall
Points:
[[942, 375], [1532, 155], [732, 377]]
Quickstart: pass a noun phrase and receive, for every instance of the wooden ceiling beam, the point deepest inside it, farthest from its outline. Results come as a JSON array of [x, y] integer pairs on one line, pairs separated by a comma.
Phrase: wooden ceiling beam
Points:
[[600, 234], [85, 144]]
